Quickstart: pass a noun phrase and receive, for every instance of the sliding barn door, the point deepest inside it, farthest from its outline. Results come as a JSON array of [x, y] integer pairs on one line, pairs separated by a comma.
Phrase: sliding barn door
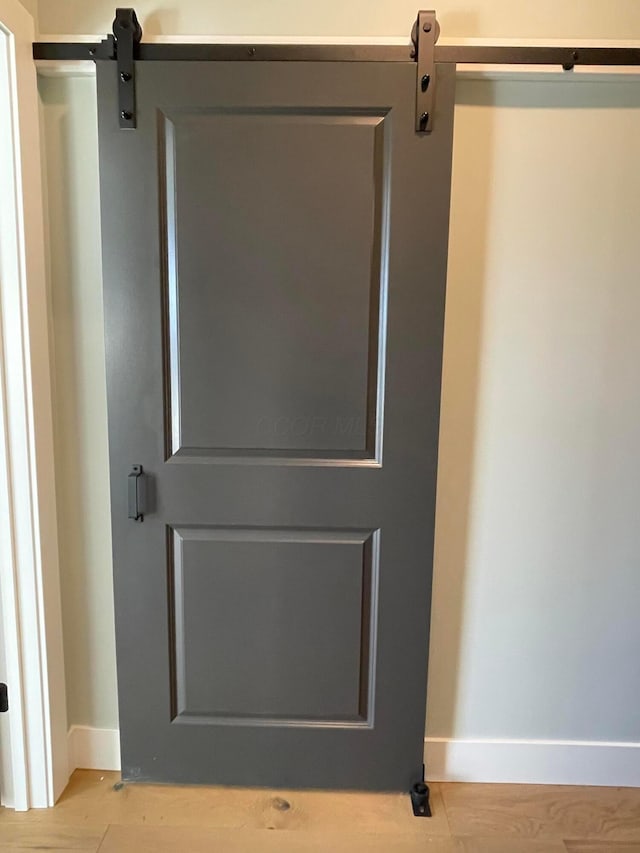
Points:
[[275, 247]]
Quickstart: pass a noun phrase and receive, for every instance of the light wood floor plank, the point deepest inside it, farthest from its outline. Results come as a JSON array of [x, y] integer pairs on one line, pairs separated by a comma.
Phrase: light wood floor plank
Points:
[[32, 835], [510, 845], [602, 847], [91, 798], [550, 811], [467, 819], [170, 839]]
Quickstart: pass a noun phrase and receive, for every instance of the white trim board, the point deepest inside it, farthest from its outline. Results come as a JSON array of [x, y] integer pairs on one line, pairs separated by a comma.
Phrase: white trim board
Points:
[[536, 762], [93, 749], [530, 73], [34, 758]]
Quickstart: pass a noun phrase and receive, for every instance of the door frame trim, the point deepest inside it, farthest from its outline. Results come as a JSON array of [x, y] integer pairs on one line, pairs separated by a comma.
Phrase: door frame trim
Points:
[[35, 767]]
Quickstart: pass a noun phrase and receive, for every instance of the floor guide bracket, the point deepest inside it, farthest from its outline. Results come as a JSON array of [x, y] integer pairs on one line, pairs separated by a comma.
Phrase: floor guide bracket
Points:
[[420, 798]]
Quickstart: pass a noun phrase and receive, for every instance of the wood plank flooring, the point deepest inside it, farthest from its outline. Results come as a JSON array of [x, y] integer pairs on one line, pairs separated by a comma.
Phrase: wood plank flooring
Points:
[[96, 813]]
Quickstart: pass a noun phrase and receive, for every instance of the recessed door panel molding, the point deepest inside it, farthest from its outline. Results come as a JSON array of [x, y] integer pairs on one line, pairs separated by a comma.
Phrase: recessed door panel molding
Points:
[[312, 592], [275, 260], [274, 250]]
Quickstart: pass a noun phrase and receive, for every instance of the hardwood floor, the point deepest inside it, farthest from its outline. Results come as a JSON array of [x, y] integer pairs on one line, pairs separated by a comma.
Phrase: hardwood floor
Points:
[[97, 814]]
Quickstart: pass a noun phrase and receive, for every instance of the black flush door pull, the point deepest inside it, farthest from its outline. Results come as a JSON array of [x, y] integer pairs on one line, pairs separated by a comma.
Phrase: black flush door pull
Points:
[[136, 491]]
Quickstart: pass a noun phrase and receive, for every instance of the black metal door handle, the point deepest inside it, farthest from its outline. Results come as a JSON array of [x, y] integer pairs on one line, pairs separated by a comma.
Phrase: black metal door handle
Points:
[[136, 491]]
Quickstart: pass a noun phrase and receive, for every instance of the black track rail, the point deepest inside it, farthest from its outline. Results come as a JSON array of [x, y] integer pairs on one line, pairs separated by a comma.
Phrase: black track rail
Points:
[[564, 57]]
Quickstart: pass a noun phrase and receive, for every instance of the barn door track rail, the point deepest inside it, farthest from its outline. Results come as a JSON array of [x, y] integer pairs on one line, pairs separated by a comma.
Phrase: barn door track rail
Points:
[[125, 47]]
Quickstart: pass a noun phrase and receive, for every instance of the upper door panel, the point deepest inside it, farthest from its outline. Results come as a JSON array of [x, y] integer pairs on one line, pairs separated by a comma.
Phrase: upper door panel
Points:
[[275, 241]]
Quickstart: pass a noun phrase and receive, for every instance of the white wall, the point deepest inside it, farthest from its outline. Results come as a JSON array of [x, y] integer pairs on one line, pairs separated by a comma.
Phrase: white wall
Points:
[[537, 571], [32, 7], [618, 19], [82, 472], [537, 585]]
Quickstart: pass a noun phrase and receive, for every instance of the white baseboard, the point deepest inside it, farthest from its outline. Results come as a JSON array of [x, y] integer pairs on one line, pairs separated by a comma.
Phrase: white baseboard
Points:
[[537, 762], [93, 749]]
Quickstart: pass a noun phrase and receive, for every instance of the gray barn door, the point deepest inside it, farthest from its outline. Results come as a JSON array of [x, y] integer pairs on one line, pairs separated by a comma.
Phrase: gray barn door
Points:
[[275, 246]]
